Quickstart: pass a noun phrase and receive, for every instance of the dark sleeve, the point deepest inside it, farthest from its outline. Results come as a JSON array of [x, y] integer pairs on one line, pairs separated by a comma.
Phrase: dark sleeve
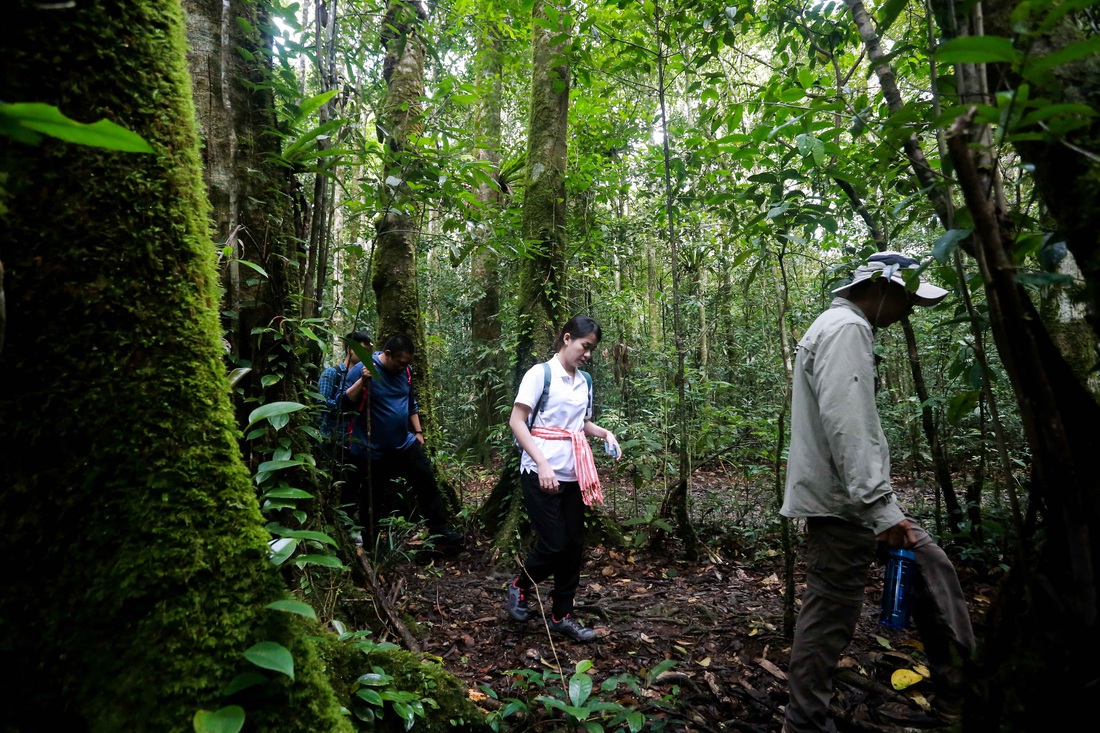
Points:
[[352, 377]]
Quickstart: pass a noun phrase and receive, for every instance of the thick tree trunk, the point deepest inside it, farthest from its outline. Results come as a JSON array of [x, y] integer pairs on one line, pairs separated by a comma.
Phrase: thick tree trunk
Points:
[[484, 269], [138, 565], [394, 276], [541, 298], [250, 203]]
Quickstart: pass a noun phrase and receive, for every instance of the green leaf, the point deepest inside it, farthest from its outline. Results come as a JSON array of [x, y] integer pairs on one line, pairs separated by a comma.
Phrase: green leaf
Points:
[[269, 379], [289, 605], [806, 77], [287, 492], [977, 50], [327, 561], [271, 655], [229, 719], [374, 679], [273, 410], [255, 267], [580, 687], [237, 375], [635, 721], [311, 105], [371, 696], [243, 681], [1072, 52], [279, 465], [945, 245], [792, 94], [887, 13], [961, 405], [301, 534], [48, 120]]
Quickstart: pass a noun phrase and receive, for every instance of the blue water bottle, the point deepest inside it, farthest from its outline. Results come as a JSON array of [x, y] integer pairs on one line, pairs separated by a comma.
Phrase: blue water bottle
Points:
[[897, 588]]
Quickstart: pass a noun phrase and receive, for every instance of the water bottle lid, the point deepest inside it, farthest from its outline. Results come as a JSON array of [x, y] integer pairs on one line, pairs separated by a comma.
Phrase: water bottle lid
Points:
[[899, 552]]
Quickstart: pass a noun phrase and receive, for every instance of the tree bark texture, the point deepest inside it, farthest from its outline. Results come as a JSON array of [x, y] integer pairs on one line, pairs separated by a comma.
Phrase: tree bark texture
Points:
[[250, 197], [540, 303], [542, 276], [138, 567], [1038, 662], [484, 268], [394, 271]]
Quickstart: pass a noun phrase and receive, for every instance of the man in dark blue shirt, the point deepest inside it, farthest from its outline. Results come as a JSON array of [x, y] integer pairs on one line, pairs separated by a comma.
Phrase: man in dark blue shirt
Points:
[[387, 440], [333, 383]]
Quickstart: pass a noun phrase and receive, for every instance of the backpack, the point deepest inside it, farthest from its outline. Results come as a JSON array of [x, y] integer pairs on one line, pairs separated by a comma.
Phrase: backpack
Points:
[[546, 390]]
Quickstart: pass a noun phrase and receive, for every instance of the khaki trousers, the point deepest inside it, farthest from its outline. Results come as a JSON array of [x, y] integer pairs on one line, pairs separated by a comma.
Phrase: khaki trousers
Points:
[[838, 554]]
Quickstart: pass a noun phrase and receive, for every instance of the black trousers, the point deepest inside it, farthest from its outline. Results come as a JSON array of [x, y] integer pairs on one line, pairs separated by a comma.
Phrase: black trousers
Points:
[[388, 485], [558, 521]]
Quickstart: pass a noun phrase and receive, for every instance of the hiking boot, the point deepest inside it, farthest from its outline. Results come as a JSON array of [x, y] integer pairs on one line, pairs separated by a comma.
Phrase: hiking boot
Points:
[[571, 627], [517, 602]]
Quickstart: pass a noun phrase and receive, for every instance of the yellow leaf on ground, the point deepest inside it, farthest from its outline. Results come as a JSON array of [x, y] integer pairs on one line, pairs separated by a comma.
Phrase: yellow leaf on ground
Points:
[[902, 678], [922, 670], [704, 662]]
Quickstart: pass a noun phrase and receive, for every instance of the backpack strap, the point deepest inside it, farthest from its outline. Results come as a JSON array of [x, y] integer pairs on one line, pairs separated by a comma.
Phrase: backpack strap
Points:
[[588, 378], [542, 397]]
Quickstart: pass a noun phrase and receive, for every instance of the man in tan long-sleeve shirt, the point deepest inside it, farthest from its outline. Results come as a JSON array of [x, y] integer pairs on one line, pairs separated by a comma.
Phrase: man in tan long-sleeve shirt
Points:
[[838, 479]]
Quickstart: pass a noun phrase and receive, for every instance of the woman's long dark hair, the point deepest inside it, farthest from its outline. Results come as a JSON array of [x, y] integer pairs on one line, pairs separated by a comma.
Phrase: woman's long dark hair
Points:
[[577, 327]]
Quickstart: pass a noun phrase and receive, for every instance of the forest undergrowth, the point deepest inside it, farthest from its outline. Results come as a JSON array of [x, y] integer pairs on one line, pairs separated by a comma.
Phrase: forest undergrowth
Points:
[[691, 646]]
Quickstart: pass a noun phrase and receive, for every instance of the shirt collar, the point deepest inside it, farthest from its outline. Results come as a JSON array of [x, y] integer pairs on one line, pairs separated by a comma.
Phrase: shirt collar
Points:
[[556, 368], [839, 302]]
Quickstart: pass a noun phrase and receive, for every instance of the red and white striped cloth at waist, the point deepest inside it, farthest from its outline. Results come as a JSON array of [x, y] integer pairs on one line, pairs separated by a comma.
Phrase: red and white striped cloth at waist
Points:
[[584, 463]]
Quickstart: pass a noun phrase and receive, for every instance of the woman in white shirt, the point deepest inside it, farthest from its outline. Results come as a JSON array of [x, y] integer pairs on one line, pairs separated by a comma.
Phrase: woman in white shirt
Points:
[[557, 473]]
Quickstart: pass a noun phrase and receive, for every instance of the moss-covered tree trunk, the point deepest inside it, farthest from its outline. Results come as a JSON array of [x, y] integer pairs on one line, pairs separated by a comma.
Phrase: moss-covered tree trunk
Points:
[[251, 215], [138, 571], [541, 296], [394, 269], [484, 268]]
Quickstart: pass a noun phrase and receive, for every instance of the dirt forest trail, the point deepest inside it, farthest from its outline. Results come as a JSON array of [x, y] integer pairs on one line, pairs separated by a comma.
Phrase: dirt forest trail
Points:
[[718, 620]]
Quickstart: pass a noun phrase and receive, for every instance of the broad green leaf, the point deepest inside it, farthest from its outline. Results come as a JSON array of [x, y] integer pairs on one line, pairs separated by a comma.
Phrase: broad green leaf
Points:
[[287, 492], [273, 409], [806, 77], [962, 405], [300, 534], [48, 120], [887, 13], [1072, 52], [229, 719], [271, 655], [580, 687], [635, 721], [792, 94], [255, 267], [269, 379], [370, 696], [327, 561], [945, 245], [374, 679], [977, 50], [311, 105], [282, 549], [289, 605], [279, 465], [243, 681], [237, 375]]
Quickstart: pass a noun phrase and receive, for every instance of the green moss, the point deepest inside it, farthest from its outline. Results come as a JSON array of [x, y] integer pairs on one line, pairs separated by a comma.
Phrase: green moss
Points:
[[452, 709], [140, 570]]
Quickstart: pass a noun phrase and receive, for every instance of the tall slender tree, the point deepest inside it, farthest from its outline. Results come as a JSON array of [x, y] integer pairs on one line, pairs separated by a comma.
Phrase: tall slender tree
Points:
[[540, 304]]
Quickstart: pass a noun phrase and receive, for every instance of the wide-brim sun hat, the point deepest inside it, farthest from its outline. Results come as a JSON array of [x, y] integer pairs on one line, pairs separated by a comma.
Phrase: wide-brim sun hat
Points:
[[891, 264]]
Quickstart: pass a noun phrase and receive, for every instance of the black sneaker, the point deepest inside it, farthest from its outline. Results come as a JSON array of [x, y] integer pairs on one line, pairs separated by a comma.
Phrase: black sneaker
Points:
[[517, 602], [572, 628]]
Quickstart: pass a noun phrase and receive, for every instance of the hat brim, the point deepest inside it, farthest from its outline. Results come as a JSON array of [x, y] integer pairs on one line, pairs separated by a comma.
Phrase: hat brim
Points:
[[926, 294]]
